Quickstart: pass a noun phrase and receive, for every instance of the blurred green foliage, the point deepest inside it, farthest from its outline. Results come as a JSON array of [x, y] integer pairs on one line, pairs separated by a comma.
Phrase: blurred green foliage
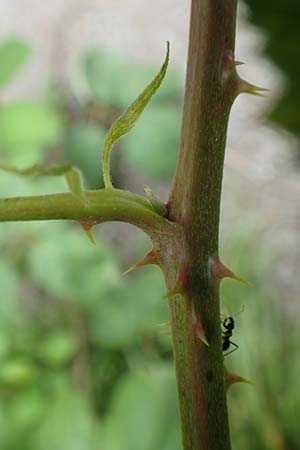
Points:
[[280, 25], [13, 54], [82, 362], [81, 145], [26, 128]]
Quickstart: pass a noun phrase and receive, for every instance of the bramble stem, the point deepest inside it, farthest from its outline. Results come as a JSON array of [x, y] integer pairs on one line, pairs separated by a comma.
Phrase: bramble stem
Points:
[[195, 204]]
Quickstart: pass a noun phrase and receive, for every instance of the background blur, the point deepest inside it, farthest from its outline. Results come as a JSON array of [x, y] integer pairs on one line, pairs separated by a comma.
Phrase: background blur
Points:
[[82, 362]]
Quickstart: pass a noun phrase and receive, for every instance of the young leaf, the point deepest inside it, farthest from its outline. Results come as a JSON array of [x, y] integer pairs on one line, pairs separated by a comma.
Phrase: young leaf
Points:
[[72, 175], [127, 120]]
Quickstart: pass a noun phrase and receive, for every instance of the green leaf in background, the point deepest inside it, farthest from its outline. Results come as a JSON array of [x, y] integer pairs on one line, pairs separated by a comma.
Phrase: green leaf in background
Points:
[[81, 146], [13, 55], [79, 271], [57, 349], [143, 412], [102, 72], [9, 291], [17, 372], [153, 147], [67, 425], [27, 408], [126, 121], [110, 302], [129, 312], [28, 127]]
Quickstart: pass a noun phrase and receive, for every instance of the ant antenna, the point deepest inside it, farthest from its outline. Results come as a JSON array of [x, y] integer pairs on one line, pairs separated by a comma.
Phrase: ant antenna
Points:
[[230, 315], [223, 316]]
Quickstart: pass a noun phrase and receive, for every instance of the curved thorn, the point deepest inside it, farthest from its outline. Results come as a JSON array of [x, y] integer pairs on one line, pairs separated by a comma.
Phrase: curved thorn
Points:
[[238, 278], [232, 378], [131, 269], [238, 63], [181, 284], [220, 271], [247, 88], [150, 258], [87, 228]]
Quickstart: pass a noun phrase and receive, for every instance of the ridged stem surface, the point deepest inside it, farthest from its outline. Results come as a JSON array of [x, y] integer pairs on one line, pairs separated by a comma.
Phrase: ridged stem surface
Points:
[[195, 204]]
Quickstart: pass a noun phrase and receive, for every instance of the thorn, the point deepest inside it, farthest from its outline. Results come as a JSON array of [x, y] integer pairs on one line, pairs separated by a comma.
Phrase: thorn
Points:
[[87, 227], [248, 88], [238, 278], [199, 330], [229, 65], [180, 285], [238, 63], [232, 378], [204, 340], [150, 258], [220, 271]]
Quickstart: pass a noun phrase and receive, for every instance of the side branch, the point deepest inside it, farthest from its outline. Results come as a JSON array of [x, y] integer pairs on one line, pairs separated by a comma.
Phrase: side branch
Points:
[[102, 206]]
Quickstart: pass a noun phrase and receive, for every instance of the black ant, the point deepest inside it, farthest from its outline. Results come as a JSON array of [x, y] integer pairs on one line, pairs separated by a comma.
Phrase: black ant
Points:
[[228, 323]]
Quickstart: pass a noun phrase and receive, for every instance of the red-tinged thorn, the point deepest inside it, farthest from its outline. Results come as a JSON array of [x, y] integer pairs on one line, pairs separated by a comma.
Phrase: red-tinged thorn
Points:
[[199, 330], [150, 258], [87, 227], [248, 88], [181, 284], [232, 378], [220, 271], [229, 64]]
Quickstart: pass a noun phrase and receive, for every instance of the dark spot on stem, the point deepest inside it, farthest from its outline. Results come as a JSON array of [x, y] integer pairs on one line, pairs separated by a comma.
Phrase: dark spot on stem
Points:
[[167, 210]]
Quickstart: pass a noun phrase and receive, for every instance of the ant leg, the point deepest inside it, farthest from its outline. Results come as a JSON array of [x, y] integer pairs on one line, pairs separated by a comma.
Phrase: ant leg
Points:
[[231, 351]]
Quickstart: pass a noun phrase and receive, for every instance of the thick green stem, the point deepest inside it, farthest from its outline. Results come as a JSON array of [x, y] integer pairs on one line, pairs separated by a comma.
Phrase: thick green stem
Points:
[[195, 204], [101, 206]]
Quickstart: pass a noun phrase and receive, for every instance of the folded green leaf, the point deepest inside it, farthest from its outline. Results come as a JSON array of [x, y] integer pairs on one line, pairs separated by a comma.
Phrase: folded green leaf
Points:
[[72, 175], [127, 120]]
